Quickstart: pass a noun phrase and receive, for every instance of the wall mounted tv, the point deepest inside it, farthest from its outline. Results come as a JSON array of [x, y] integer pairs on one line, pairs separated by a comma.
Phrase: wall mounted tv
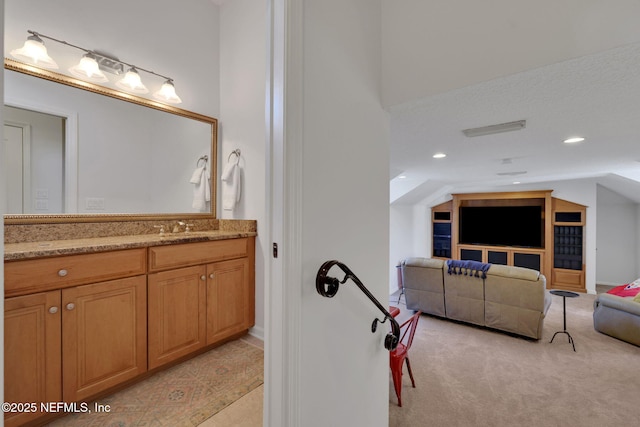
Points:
[[521, 226]]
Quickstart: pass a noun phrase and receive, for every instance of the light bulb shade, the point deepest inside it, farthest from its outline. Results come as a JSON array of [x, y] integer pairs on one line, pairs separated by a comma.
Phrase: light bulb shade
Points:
[[35, 52], [131, 82], [167, 93], [88, 69]]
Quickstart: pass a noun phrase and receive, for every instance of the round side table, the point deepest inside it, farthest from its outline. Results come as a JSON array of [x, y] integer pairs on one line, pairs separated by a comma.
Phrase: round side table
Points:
[[564, 295]]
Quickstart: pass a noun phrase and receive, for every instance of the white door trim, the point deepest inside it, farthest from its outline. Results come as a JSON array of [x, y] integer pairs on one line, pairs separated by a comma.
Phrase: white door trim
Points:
[[70, 147], [283, 294], [26, 167]]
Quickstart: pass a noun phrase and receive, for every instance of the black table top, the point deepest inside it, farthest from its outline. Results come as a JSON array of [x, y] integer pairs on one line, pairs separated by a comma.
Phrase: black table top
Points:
[[564, 293]]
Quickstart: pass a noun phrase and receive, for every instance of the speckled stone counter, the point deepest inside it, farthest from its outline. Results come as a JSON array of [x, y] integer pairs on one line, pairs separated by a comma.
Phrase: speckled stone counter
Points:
[[46, 240]]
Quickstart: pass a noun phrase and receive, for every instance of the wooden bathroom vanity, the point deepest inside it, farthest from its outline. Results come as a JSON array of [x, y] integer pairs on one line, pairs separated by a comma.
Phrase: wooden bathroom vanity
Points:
[[84, 317]]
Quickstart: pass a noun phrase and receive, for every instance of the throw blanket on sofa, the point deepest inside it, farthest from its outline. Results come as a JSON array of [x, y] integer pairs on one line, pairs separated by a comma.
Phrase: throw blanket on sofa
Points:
[[630, 290], [468, 268]]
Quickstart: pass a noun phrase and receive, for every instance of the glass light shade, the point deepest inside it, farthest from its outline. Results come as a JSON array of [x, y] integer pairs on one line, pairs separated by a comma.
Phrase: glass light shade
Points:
[[131, 82], [167, 93], [34, 51], [88, 69]]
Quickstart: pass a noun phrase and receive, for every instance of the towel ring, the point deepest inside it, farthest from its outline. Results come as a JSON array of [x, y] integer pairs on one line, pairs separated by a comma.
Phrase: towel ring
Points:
[[204, 158], [237, 153]]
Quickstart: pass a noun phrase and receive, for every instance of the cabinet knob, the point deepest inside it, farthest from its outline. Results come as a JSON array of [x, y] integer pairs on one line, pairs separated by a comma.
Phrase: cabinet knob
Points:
[[211, 276], [203, 277], [53, 310], [70, 306], [62, 272]]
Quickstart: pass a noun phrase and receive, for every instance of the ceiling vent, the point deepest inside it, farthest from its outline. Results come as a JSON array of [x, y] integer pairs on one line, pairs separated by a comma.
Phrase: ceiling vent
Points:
[[511, 173], [490, 130]]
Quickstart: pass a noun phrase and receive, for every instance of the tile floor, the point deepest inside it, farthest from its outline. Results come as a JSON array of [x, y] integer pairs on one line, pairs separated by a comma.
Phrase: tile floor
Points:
[[244, 412]]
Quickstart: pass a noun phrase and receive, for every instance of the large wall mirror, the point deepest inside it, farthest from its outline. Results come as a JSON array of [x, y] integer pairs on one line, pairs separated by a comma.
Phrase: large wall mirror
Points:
[[81, 152]]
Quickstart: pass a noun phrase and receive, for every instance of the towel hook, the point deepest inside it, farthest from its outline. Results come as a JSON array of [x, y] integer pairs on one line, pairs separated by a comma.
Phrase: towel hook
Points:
[[237, 153], [204, 158]]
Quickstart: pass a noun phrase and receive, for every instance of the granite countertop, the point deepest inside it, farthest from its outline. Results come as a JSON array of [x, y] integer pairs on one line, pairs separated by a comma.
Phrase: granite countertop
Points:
[[40, 249]]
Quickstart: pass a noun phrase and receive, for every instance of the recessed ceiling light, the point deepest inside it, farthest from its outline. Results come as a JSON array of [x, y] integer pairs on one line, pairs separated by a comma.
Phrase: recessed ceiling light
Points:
[[516, 182], [573, 140], [439, 156], [402, 177]]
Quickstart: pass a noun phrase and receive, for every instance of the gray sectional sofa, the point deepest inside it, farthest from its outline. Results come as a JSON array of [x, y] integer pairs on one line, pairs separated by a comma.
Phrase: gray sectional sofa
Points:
[[618, 317], [511, 299]]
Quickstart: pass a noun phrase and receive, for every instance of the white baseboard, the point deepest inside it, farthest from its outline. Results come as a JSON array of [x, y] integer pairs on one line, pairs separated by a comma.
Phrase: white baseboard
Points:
[[258, 332], [600, 282]]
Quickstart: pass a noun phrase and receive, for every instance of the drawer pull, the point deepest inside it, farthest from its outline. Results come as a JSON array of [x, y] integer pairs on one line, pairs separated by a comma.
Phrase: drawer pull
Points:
[[71, 306], [203, 277], [62, 272], [211, 276], [53, 310]]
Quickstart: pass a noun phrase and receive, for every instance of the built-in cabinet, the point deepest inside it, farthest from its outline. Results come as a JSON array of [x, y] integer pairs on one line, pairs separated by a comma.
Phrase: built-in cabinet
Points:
[[78, 326], [177, 304], [441, 222], [32, 352], [192, 307], [560, 257], [72, 343], [569, 221]]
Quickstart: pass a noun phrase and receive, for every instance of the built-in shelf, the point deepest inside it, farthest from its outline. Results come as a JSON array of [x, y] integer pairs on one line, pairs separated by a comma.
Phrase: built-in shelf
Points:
[[560, 257]]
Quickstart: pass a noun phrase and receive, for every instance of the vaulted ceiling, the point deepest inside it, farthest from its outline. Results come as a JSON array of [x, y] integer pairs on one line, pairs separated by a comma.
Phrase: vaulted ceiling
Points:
[[568, 68]]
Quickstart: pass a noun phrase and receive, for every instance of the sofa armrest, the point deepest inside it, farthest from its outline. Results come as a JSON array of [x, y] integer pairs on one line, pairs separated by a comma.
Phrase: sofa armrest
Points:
[[618, 303]]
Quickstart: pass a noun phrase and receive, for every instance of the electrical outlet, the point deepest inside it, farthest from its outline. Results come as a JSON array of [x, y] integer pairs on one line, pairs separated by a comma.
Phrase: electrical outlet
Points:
[[94, 203], [42, 193], [42, 205]]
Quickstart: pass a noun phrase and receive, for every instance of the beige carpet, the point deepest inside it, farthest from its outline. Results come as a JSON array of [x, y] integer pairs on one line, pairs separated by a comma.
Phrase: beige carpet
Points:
[[184, 395], [469, 376]]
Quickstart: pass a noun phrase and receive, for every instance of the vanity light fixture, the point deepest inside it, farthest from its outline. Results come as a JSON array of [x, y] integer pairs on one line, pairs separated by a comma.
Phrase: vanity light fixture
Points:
[[573, 140], [34, 51], [167, 93], [132, 82], [92, 65], [88, 69]]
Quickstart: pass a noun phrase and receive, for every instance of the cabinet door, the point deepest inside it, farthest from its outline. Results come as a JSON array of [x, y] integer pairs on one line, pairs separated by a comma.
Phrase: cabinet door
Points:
[[104, 335], [229, 309], [31, 352], [176, 314]]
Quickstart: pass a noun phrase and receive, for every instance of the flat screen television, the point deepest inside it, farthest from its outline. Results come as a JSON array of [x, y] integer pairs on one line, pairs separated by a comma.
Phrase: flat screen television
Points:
[[521, 226]]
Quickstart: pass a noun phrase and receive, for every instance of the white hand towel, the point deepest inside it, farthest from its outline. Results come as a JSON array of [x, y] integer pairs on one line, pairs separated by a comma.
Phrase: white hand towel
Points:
[[202, 190], [228, 170], [231, 189], [195, 178]]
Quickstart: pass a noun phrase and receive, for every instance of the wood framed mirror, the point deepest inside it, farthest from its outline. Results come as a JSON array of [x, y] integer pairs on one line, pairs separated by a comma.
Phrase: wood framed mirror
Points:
[[122, 157]]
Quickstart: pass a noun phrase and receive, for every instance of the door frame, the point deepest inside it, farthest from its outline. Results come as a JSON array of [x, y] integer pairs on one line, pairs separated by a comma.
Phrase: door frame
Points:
[[26, 168], [70, 179]]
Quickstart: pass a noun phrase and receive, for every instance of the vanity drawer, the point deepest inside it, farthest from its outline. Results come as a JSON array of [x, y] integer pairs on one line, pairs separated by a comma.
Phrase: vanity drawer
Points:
[[36, 275], [176, 256]]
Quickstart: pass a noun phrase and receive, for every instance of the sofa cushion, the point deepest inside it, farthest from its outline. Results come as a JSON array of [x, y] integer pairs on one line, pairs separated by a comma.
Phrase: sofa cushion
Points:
[[423, 287], [423, 262], [513, 272], [464, 298]]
